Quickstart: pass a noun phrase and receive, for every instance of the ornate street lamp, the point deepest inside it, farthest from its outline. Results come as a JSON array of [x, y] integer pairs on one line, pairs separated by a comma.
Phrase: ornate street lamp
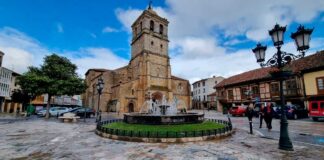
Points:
[[277, 35], [302, 38], [259, 52], [100, 86]]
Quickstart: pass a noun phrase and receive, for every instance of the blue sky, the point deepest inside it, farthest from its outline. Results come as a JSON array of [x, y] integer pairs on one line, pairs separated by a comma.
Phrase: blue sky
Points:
[[206, 38]]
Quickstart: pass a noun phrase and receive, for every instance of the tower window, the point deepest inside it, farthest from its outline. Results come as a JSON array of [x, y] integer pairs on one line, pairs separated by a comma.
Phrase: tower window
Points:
[[152, 43], [161, 29], [151, 25], [161, 46], [135, 31], [141, 26]]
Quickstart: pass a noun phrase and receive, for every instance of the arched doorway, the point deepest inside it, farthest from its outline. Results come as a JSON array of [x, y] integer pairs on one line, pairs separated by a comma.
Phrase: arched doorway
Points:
[[131, 107], [157, 96]]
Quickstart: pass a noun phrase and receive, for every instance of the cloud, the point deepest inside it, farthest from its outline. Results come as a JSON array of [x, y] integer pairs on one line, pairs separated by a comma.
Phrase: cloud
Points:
[[22, 51], [109, 30], [59, 28], [93, 35], [201, 32], [95, 58]]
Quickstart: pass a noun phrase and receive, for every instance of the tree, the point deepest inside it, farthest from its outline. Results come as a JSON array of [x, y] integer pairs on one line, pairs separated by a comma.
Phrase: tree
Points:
[[19, 96], [57, 76]]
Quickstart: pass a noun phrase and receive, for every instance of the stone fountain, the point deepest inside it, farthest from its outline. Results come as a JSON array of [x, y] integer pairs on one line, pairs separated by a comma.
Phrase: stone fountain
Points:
[[163, 112]]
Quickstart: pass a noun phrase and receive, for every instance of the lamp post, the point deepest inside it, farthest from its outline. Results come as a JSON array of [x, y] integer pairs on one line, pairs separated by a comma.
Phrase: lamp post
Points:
[[100, 86], [279, 59]]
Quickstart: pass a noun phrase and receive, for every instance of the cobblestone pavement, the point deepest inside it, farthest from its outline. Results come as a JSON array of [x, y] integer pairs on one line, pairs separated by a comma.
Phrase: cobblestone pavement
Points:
[[300, 131], [37, 138]]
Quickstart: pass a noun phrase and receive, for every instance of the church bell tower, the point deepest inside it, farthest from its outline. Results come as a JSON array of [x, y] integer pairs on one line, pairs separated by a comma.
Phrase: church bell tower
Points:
[[150, 34]]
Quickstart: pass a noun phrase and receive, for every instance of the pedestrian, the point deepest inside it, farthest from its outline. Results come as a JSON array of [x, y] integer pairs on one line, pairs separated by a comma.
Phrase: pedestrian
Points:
[[261, 115], [250, 113], [268, 112]]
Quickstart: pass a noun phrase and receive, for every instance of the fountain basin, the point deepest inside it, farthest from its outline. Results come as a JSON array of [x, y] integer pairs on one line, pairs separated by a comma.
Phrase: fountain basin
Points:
[[180, 118]]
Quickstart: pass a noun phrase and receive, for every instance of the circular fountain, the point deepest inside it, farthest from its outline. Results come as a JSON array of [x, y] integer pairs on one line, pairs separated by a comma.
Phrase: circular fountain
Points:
[[163, 121], [163, 112]]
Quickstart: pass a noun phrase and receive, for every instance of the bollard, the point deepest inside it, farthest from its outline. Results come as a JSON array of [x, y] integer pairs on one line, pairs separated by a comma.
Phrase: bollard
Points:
[[251, 130]]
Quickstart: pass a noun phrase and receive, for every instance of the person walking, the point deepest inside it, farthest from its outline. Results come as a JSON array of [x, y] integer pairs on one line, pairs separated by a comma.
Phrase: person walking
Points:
[[268, 112], [261, 115], [250, 113]]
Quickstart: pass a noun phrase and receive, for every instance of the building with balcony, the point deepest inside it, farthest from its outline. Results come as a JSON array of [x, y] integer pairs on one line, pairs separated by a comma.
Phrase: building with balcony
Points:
[[303, 83], [7, 85], [64, 101], [203, 88]]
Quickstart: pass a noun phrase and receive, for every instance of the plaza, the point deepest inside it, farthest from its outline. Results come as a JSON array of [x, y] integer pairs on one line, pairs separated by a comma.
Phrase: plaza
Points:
[[37, 138], [178, 80]]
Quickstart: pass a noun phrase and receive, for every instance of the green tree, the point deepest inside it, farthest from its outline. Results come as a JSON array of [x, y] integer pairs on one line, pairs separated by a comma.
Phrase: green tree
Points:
[[57, 76]]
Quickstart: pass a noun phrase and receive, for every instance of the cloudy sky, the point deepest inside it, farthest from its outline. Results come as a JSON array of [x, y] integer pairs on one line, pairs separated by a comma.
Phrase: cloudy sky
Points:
[[206, 37]]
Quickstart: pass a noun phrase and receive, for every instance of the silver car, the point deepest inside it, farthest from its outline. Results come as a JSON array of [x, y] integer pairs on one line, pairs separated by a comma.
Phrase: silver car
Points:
[[53, 111]]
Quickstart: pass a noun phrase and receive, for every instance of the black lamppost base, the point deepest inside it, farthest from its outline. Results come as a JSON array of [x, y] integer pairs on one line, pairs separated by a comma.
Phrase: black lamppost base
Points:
[[284, 140], [286, 148]]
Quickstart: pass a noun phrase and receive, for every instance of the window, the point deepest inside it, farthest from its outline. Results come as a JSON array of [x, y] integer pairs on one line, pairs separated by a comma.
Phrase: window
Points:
[[132, 91], [274, 89], [203, 83], [152, 43], [141, 26], [199, 91], [161, 29], [215, 82], [204, 90], [151, 25], [244, 93], [255, 91], [314, 106], [291, 87], [198, 84], [204, 98], [322, 105], [320, 85], [135, 30], [230, 94]]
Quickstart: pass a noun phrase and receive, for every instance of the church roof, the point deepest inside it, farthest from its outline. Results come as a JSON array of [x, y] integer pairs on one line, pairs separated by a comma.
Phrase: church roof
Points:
[[178, 78], [96, 70]]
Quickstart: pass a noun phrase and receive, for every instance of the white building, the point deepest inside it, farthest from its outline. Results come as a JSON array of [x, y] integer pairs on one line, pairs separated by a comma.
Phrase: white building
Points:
[[7, 83], [201, 89]]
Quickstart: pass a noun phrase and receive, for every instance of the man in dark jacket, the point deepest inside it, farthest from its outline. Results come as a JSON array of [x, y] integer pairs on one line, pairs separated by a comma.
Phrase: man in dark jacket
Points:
[[261, 116], [268, 113], [250, 113]]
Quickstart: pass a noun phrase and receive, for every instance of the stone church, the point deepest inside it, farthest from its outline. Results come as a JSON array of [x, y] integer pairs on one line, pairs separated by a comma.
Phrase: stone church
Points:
[[148, 74]]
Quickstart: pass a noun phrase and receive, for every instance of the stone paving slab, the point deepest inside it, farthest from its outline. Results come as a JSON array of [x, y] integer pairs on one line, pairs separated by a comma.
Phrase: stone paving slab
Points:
[[41, 139]]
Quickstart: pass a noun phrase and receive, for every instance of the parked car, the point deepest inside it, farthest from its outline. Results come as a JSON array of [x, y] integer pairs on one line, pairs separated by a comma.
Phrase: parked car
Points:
[[277, 111], [71, 110], [316, 110], [41, 112], [81, 112], [295, 111], [53, 111], [238, 111]]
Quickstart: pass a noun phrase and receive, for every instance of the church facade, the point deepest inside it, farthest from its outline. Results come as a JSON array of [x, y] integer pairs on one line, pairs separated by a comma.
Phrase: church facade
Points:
[[148, 74]]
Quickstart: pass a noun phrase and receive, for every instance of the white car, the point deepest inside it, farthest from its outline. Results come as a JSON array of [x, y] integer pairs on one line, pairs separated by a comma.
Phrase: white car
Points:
[[53, 111]]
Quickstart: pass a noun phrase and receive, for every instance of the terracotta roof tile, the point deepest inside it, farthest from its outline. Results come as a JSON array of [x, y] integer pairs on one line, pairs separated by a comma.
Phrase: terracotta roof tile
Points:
[[177, 78], [309, 62]]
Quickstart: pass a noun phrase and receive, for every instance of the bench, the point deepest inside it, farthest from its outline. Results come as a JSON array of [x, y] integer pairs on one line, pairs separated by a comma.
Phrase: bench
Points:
[[23, 114], [69, 117]]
